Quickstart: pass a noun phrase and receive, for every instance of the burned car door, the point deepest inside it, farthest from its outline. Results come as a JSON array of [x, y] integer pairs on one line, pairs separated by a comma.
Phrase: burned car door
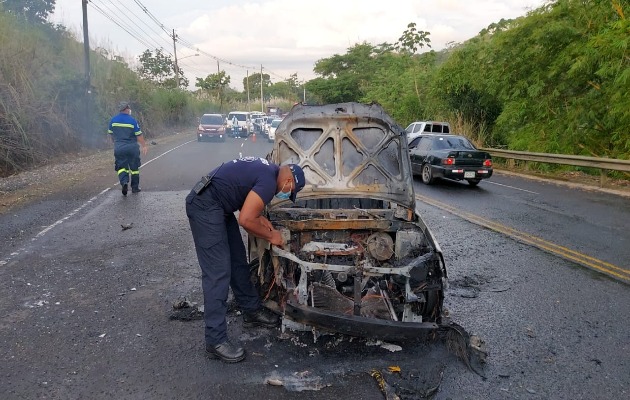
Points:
[[359, 260]]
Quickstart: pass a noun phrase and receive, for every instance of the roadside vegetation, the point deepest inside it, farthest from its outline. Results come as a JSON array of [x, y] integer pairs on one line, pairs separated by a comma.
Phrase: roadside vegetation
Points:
[[553, 81]]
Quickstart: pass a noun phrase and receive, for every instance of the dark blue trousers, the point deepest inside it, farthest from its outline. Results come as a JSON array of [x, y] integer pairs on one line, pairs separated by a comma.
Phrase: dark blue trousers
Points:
[[223, 261], [127, 163]]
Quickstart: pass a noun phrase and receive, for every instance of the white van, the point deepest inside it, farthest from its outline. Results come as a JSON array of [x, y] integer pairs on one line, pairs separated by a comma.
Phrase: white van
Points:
[[243, 125], [417, 128]]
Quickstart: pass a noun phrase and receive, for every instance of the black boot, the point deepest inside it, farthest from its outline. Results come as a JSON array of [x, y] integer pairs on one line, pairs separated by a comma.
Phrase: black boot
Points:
[[226, 351], [261, 317], [135, 183], [124, 189]]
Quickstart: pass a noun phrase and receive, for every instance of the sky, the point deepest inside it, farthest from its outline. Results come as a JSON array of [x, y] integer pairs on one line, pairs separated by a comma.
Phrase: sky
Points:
[[283, 36]]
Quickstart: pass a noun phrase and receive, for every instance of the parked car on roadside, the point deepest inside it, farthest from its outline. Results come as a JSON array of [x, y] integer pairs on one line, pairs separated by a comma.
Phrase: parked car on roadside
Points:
[[211, 127], [268, 120], [417, 128], [271, 132], [448, 156], [360, 260]]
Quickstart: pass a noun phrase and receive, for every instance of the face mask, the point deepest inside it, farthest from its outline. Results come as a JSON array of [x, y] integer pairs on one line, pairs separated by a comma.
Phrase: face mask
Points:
[[283, 195]]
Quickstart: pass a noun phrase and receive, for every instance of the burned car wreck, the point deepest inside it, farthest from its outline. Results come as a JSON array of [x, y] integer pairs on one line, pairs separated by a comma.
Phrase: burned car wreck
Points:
[[359, 259]]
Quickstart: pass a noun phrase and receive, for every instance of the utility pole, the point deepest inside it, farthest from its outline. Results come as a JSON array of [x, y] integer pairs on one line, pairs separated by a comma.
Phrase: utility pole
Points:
[[220, 83], [247, 84], [86, 51], [175, 53], [262, 105]]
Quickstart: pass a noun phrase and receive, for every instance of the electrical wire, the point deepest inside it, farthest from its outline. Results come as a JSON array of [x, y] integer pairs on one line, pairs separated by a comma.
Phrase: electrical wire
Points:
[[139, 19], [132, 25], [185, 43], [191, 46], [274, 74], [106, 15], [147, 12]]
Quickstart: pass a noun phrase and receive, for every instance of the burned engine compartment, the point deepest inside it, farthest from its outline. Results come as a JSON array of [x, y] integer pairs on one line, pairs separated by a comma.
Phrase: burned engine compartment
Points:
[[365, 264]]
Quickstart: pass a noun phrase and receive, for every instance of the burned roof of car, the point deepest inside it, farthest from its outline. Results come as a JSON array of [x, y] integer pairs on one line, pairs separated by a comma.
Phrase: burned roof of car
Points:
[[347, 150]]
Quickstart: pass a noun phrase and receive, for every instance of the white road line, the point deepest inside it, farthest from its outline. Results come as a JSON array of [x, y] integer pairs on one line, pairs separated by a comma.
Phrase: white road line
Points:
[[165, 153], [76, 210], [512, 187], [73, 212]]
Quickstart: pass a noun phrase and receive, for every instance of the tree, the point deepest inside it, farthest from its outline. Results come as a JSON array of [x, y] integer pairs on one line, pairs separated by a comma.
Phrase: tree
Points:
[[289, 89], [34, 11], [344, 77], [160, 69], [280, 90], [408, 44], [254, 84], [214, 83], [412, 40]]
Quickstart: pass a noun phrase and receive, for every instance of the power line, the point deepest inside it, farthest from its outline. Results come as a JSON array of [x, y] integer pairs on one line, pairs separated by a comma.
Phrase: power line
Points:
[[147, 12], [186, 43], [183, 42], [201, 73], [131, 25], [138, 19], [273, 73], [191, 46], [106, 15]]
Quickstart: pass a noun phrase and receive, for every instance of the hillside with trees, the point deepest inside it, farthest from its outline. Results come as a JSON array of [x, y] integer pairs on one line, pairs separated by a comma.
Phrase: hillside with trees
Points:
[[553, 81]]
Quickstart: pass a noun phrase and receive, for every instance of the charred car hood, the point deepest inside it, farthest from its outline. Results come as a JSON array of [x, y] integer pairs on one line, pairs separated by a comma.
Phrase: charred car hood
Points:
[[359, 151]]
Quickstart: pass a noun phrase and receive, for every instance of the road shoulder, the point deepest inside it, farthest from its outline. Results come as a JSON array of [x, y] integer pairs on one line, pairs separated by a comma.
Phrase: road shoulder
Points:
[[73, 174]]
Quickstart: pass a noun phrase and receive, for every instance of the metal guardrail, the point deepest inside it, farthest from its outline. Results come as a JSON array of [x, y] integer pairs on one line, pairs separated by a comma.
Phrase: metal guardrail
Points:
[[604, 164]]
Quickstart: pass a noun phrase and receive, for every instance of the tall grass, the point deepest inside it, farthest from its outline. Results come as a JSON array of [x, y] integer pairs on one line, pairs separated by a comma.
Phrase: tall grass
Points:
[[46, 110], [32, 126]]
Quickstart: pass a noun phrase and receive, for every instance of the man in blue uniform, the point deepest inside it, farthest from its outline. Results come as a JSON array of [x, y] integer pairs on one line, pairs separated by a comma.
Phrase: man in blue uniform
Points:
[[246, 184], [126, 134]]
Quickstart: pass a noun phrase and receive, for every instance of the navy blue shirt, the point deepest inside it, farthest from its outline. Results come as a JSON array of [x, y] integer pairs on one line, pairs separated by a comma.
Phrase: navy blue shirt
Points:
[[235, 179], [124, 128]]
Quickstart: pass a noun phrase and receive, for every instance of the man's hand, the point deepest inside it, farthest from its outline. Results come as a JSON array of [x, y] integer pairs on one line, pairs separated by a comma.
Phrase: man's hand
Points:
[[276, 239], [144, 149]]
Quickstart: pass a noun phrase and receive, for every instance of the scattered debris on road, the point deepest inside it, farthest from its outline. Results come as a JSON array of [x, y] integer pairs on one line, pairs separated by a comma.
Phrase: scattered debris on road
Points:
[[184, 310], [387, 390], [297, 381]]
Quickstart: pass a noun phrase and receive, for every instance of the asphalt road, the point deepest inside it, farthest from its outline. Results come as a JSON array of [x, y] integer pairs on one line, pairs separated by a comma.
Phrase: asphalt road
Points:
[[85, 306]]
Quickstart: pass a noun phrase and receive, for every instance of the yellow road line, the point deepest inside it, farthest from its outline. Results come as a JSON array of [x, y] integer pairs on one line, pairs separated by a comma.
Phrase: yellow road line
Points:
[[564, 252]]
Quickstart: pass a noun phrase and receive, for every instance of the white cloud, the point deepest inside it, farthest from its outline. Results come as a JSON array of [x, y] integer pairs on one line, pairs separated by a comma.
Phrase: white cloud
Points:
[[288, 36]]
